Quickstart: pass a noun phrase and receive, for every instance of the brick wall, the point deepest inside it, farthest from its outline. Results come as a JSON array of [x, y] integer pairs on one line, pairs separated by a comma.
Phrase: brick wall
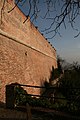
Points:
[[26, 57]]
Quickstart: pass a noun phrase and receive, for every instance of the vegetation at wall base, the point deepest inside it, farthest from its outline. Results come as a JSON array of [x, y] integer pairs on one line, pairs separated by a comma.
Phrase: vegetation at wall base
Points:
[[64, 105], [67, 97]]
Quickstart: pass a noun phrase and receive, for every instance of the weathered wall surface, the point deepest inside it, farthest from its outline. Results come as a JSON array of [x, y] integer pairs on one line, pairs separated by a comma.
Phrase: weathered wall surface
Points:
[[26, 57]]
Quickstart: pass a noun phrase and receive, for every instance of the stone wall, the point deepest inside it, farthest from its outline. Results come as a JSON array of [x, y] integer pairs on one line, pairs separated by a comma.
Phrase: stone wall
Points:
[[26, 57]]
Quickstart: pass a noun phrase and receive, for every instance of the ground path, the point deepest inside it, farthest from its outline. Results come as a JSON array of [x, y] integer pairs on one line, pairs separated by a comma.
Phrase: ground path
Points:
[[37, 114]]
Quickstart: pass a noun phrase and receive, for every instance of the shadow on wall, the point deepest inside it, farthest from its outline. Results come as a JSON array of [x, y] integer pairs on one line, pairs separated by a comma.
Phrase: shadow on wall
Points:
[[2, 105], [20, 96], [47, 91], [54, 77], [55, 73]]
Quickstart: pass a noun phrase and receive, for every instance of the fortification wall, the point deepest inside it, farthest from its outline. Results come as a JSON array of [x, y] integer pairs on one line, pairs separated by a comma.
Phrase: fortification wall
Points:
[[26, 57]]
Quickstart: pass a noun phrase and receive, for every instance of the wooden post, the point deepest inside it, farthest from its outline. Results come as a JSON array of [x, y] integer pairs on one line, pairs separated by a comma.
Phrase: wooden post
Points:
[[29, 115], [9, 96]]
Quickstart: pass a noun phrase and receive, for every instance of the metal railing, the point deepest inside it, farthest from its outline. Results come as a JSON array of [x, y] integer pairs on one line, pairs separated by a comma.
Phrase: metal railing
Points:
[[10, 94]]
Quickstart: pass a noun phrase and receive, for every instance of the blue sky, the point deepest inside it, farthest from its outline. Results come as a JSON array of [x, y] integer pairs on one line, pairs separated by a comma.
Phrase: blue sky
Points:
[[67, 46]]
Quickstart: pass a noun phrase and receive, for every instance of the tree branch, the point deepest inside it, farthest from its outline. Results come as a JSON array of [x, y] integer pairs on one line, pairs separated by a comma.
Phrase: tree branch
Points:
[[14, 6], [2, 10]]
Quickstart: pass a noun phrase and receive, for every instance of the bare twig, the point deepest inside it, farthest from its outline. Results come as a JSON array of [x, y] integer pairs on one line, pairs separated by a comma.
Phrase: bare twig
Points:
[[68, 10], [77, 35], [33, 11], [14, 6], [2, 10]]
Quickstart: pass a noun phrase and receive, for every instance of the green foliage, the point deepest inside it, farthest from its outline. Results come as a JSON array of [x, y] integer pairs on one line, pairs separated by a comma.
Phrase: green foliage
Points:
[[20, 95], [70, 87], [21, 98], [71, 96], [59, 66], [55, 73]]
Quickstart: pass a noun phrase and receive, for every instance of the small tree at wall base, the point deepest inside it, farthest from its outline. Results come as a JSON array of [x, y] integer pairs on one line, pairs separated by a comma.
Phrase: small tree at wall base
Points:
[[57, 72], [70, 87]]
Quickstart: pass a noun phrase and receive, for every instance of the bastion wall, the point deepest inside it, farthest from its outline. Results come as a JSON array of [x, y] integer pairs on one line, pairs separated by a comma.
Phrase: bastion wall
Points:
[[26, 57]]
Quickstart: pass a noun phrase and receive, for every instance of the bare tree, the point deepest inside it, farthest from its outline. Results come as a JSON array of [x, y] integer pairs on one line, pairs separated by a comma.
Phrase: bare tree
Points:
[[56, 12]]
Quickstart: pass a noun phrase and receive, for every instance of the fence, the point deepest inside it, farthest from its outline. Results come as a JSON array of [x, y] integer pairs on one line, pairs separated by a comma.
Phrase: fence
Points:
[[10, 96]]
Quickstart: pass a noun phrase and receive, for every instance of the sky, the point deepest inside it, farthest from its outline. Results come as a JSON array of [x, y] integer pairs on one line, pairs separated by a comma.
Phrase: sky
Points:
[[67, 47]]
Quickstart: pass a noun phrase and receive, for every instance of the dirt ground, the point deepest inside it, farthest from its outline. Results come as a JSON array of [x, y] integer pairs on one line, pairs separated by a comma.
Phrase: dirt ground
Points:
[[8, 113]]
